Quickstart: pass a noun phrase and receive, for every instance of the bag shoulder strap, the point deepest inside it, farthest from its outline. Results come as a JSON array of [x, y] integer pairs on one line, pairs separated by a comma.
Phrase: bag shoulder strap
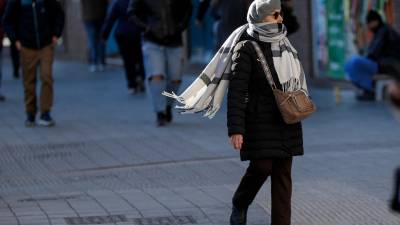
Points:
[[264, 64]]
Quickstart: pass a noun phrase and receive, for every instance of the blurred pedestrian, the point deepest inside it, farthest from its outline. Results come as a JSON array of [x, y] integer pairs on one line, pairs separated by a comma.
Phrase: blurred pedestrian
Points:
[[162, 22], [395, 204], [202, 10], [383, 57], [289, 19], [127, 35], [35, 26], [2, 7], [204, 5], [93, 14], [232, 15], [255, 125]]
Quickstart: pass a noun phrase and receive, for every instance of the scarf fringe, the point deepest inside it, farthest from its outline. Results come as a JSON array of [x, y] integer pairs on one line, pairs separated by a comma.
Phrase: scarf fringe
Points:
[[178, 98], [292, 85], [212, 111]]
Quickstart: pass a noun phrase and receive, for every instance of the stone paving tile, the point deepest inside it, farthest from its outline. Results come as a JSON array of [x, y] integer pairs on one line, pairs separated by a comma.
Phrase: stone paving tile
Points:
[[197, 197], [57, 207], [86, 206], [112, 202], [143, 202], [58, 221], [220, 193], [169, 199], [28, 220]]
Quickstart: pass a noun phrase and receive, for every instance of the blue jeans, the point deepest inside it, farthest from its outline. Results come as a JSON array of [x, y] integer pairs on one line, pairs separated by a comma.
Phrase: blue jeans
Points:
[[165, 62], [361, 70], [96, 47]]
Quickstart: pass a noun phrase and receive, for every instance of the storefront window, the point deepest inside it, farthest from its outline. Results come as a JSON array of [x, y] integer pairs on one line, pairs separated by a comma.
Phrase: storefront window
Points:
[[339, 31]]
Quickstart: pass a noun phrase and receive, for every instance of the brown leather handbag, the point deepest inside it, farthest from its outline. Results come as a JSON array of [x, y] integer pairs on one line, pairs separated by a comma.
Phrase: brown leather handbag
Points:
[[293, 105]]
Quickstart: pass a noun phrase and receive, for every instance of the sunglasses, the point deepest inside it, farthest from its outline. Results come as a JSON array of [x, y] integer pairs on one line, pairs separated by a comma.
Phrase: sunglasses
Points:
[[277, 14]]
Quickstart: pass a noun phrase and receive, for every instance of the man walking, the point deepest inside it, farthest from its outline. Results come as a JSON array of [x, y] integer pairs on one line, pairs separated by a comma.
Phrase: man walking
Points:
[[162, 22], [35, 26]]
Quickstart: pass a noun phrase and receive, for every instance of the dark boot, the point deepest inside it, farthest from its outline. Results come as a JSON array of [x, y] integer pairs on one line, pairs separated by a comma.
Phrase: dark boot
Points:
[[238, 216], [395, 204], [366, 96], [168, 114], [161, 119], [30, 120]]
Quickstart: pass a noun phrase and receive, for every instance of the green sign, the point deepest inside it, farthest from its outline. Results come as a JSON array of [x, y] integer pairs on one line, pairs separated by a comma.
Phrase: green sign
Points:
[[335, 38]]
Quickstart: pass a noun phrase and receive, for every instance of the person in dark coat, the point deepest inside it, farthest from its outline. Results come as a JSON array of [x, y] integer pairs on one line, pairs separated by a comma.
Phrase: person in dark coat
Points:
[[383, 57], [127, 35], [93, 15], [2, 7], [290, 19], [256, 127], [228, 14], [35, 26]]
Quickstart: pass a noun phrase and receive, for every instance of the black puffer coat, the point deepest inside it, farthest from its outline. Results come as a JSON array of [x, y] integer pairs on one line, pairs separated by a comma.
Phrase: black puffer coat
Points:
[[252, 109]]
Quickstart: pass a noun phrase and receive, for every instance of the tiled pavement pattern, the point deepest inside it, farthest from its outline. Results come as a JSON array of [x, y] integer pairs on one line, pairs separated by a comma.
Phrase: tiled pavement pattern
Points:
[[106, 163]]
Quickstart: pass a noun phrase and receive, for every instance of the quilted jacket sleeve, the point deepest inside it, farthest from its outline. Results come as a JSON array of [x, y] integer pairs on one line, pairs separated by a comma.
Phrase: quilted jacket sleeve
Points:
[[238, 88]]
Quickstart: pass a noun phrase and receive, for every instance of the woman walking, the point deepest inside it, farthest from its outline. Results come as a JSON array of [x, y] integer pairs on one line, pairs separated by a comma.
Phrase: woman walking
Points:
[[255, 124]]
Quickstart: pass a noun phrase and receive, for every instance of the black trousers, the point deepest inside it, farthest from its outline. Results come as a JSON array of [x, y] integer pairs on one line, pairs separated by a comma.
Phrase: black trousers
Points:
[[257, 173], [396, 191], [15, 59], [131, 51]]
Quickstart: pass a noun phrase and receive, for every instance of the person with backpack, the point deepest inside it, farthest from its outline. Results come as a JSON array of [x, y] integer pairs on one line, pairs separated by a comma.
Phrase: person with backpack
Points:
[[162, 23], [35, 26]]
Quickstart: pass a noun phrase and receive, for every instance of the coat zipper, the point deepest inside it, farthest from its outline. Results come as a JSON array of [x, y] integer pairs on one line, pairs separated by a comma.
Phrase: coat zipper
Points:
[[35, 21]]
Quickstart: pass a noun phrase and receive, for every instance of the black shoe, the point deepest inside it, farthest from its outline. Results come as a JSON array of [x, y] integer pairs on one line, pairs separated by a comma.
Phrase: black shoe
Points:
[[168, 114], [140, 86], [46, 120], [395, 205], [16, 75], [30, 120], [132, 91], [238, 216], [366, 96], [2, 98], [161, 119]]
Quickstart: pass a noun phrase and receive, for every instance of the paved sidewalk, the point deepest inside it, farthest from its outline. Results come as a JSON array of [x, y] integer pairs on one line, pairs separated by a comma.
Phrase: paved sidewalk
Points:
[[106, 163]]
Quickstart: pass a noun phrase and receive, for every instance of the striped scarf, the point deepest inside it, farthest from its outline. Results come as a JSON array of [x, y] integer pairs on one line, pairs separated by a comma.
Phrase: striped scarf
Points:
[[206, 93]]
